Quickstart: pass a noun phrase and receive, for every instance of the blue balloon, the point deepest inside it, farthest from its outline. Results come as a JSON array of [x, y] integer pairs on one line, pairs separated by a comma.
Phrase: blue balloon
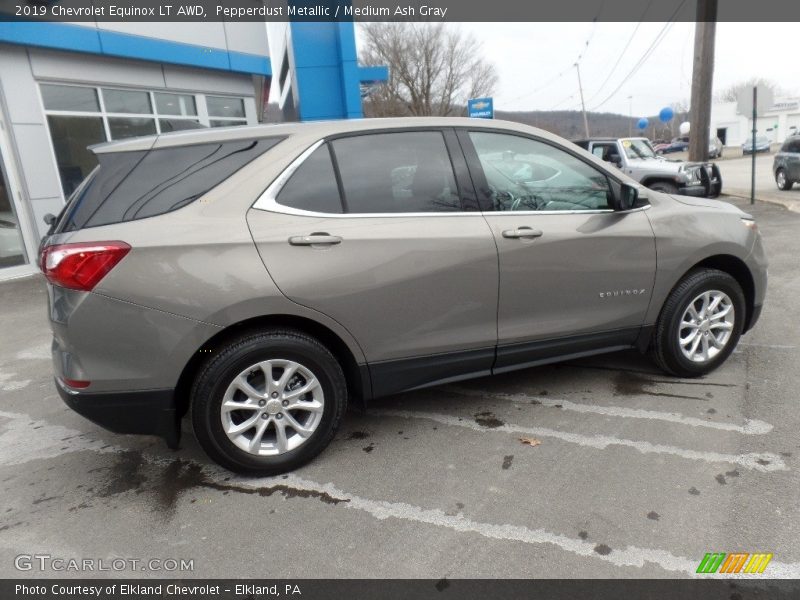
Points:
[[666, 114], [643, 123]]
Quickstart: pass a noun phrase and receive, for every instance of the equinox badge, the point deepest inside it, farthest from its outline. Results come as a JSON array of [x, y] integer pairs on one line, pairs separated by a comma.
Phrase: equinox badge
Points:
[[615, 293]]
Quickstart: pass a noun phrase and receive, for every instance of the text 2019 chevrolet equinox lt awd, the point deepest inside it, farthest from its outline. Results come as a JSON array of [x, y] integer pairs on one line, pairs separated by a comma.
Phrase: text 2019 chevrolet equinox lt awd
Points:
[[258, 278]]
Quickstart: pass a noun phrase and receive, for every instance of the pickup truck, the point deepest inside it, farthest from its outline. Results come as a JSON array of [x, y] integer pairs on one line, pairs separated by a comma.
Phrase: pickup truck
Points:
[[636, 158]]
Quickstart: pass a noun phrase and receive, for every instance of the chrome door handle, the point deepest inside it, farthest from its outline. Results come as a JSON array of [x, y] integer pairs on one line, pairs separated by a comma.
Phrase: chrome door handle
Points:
[[315, 239], [522, 232]]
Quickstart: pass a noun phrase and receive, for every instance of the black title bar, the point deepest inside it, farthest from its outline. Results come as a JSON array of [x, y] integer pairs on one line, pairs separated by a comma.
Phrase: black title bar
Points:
[[393, 10], [396, 589]]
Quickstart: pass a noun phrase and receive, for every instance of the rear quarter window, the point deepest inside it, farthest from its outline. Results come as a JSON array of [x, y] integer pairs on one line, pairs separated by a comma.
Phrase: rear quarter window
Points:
[[134, 185]]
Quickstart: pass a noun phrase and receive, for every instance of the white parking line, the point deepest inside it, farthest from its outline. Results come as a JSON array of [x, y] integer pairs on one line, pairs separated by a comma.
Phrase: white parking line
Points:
[[40, 352], [751, 426], [23, 439], [14, 450], [629, 556], [774, 346], [8, 384], [758, 461]]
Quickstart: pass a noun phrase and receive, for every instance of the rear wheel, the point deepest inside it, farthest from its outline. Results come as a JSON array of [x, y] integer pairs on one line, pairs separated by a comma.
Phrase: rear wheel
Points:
[[268, 402], [700, 324], [664, 186], [783, 182]]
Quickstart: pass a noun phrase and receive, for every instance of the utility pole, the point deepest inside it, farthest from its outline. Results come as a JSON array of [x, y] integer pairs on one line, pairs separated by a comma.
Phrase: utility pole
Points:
[[583, 106], [753, 147], [630, 116], [702, 79]]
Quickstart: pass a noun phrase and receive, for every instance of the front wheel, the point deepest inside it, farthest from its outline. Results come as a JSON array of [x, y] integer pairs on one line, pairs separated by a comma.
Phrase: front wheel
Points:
[[664, 186], [700, 324], [783, 181], [268, 402]]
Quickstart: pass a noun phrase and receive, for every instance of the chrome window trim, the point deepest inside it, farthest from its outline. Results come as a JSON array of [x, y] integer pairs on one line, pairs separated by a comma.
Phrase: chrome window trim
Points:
[[267, 201]]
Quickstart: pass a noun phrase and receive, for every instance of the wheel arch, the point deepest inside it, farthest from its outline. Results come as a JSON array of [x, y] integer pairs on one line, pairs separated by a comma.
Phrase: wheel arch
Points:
[[736, 268], [651, 179], [359, 385]]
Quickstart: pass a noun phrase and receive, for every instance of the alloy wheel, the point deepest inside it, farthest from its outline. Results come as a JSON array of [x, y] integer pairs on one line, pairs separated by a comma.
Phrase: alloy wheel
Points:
[[272, 407], [706, 326]]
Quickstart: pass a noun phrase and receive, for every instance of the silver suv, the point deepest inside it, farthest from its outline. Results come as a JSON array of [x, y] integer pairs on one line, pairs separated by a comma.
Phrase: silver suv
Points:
[[266, 276], [637, 159]]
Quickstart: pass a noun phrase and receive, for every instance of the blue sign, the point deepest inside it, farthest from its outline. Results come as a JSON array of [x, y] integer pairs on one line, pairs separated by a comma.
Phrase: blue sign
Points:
[[480, 108]]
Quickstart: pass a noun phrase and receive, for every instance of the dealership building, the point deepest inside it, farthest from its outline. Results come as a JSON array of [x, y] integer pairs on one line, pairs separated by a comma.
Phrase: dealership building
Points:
[[776, 123], [64, 87]]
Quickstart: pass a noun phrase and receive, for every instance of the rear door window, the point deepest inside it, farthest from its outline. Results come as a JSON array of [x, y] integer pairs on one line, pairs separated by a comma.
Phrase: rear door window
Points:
[[313, 185], [133, 185], [403, 172]]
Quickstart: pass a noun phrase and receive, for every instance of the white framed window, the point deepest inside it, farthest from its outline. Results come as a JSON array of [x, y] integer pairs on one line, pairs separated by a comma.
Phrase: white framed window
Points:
[[225, 111], [79, 116]]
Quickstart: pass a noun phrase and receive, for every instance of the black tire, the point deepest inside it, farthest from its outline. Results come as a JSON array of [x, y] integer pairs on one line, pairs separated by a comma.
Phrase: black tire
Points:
[[215, 376], [664, 186], [665, 348], [787, 183]]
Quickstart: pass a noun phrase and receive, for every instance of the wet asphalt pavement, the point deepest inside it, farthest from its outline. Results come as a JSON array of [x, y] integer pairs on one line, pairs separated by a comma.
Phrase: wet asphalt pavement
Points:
[[600, 467]]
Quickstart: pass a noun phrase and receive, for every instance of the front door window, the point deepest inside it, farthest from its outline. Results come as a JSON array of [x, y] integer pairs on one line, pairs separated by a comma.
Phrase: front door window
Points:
[[527, 175]]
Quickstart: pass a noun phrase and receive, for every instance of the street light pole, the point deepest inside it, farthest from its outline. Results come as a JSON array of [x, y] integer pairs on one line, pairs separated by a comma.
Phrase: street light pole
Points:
[[583, 106], [630, 116]]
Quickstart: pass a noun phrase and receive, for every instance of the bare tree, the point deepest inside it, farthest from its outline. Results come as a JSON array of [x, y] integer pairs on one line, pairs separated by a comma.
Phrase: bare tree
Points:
[[730, 93], [433, 69]]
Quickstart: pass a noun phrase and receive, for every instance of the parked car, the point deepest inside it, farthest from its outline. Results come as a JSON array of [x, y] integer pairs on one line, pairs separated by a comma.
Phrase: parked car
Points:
[[266, 276], [761, 145], [715, 148], [786, 164], [660, 147], [638, 159], [679, 144]]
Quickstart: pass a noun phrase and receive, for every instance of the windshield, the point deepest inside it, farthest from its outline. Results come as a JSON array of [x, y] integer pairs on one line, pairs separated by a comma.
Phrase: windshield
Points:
[[638, 148]]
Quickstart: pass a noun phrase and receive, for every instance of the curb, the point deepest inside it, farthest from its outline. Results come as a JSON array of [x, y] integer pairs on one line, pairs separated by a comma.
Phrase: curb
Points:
[[789, 204]]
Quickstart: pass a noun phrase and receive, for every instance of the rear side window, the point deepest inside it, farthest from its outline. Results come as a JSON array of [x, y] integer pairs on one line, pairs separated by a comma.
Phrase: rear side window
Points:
[[313, 185], [134, 185], [396, 173]]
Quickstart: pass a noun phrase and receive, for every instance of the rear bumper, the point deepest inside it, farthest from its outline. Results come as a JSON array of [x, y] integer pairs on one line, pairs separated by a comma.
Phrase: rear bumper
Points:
[[149, 412]]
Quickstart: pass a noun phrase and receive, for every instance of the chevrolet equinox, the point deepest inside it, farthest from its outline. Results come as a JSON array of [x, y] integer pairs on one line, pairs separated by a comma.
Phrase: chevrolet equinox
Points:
[[258, 278]]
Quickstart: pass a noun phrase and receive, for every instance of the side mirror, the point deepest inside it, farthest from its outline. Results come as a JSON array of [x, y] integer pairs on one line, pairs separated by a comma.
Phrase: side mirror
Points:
[[49, 219], [614, 158], [628, 195]]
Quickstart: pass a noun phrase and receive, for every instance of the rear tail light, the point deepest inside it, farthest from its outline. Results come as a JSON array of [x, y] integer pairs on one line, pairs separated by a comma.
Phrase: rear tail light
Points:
[[81, 266], [78, 384]]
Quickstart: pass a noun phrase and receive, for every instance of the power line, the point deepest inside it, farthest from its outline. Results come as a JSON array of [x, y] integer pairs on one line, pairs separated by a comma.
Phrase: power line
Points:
[[543, 86], [647, 53], [560, 102], [621, 54], [591, 34], [569, 68]]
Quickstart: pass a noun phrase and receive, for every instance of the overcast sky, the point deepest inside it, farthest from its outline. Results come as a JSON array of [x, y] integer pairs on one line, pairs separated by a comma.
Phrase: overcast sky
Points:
[[534, 62]]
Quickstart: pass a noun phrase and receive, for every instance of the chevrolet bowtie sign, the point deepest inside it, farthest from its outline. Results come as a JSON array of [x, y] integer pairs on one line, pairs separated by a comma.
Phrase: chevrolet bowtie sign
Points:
[[480, 108]]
